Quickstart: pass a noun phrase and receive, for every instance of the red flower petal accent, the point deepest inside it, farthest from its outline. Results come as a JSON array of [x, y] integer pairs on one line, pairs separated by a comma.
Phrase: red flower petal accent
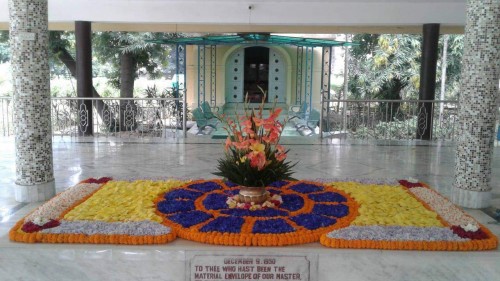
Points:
[[98, 181], [276, 202], [30, 227], [408, 184], [51, 224], [474, 235]]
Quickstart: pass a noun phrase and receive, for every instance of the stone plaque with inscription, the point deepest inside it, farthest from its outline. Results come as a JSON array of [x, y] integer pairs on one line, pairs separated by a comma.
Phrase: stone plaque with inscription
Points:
[[203, 267]]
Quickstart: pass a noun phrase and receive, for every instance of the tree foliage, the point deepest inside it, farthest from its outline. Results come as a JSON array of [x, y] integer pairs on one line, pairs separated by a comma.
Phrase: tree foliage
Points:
[[147, 58], [453, 66], [109, 50], [387, 66], [4, 46], [60, 42]]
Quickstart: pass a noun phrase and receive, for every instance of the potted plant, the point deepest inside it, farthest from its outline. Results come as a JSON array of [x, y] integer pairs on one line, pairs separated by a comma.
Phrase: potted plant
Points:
[[253, 156]]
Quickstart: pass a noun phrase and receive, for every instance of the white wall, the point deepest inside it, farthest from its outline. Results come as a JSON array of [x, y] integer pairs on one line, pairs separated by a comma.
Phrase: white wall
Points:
[[271, 12]]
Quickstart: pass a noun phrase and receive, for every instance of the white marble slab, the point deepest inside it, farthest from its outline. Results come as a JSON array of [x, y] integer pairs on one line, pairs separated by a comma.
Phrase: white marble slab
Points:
[[76, 161]]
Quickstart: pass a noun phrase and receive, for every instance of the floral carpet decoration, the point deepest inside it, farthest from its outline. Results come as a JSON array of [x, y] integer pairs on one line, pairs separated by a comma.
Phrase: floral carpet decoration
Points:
[[99, 211], [404, 214], [198, 211], [407, 215]]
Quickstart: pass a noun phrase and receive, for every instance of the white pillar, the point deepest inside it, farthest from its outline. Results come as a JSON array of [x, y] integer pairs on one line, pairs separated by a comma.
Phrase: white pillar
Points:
[[31, 79], [478, 104]]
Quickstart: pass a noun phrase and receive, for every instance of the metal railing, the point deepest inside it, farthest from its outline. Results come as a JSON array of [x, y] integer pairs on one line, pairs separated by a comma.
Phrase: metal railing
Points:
[[166, 117], [388, 119], [109, 117]]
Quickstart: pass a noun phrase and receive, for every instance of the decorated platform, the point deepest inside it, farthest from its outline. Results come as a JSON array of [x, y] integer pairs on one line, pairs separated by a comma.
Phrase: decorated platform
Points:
[[392, 214]]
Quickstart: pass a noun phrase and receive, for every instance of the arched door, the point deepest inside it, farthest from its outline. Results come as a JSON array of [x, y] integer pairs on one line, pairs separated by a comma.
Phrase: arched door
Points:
[[250, 67]]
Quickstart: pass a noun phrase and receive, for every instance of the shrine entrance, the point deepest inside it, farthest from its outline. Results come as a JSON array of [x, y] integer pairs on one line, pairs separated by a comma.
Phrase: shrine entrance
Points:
[[256, 74], [249, 68], [255, 61]]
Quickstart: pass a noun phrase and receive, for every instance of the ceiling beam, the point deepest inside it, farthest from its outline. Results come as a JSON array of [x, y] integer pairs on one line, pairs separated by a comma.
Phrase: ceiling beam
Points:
[[220, 28]]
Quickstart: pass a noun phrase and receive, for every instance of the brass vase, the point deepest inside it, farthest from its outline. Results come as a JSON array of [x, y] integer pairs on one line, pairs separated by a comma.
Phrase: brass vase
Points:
[[254, 194]]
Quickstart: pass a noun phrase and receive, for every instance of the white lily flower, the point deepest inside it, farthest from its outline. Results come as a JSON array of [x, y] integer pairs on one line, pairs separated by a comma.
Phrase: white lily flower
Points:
[[470, 227], [412, 180], [40, 221]]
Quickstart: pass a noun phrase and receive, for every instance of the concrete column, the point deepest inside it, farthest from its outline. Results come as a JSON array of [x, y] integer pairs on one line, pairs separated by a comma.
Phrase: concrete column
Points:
[[31, 79], [427, 89], [478, 104], [83, 38]]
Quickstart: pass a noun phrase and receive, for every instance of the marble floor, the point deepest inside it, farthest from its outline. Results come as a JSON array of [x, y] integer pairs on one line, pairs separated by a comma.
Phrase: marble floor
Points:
[[73, 161]]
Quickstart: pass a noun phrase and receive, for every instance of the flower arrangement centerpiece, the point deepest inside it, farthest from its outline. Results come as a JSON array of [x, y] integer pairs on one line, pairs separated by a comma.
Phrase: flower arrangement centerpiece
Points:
[[253, 156]]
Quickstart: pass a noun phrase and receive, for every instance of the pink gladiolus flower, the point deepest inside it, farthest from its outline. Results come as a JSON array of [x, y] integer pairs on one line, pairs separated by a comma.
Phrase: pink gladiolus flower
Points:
[[273, 137], [280, 148], [268, 125], [280, 153], [258, 122], [249, 131], [241, 145], [275, 113], [280, 156], [238, 136], [228, 143], [257, 159]]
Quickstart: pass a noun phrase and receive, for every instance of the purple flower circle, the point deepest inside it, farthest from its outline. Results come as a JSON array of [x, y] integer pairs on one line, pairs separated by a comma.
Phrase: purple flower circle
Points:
[[205, 186], [313, 221], [224, 224], [215, 201], [327, 197], [338, 211], [170, 207], [191, 218], [182, 194], [272, 226], [292, 202], [306, 188]]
